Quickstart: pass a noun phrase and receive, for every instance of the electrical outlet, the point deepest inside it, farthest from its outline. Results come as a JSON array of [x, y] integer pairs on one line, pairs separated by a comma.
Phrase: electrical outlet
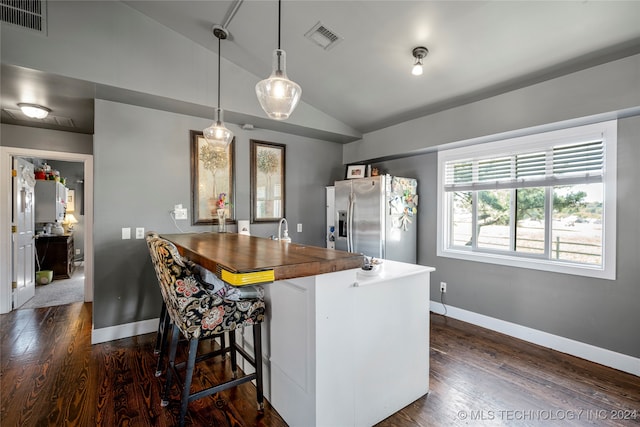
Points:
[[77, 251], [299, 228], [180, 213], [139, 232], [443, 287]]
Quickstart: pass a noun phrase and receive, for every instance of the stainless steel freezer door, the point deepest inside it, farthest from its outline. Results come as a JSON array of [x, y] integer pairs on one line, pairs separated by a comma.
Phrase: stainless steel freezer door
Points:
[[368, 219], [342, 193]]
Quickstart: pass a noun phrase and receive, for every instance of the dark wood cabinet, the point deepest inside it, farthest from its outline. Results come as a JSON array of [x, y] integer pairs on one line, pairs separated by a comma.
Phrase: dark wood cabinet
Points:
[[56, 253]]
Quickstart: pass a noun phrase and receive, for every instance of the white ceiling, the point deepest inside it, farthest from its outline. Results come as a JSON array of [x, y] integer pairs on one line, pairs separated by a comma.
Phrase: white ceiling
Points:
[[476, 48]]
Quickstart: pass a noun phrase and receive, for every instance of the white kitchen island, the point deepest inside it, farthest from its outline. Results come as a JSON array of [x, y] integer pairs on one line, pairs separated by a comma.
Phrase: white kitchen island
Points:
[[340, 348], [344, 348]]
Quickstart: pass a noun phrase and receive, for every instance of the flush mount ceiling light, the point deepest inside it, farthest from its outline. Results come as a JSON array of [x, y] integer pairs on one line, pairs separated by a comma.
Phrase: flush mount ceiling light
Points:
[[278, 96], [217, 135], [419, 53], [34, 111]]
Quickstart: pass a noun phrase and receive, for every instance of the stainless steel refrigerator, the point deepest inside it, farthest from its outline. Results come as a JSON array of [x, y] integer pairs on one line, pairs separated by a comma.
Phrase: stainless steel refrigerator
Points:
[[377, 217]]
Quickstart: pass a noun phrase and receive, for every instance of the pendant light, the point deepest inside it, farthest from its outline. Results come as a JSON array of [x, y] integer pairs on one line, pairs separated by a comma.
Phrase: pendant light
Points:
[[419, 53], [278, 96], [217, 135]]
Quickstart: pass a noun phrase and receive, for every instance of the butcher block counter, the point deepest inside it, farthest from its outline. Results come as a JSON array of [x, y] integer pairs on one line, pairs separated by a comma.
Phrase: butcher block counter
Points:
[[240, 255]]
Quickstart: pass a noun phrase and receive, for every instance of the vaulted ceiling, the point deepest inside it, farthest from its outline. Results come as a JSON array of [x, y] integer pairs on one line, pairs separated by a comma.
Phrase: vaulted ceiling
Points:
[[477, 49]]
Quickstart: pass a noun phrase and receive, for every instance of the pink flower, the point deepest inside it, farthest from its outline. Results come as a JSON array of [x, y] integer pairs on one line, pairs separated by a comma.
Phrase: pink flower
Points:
[[185, 288], [213, 318], [221, 200]]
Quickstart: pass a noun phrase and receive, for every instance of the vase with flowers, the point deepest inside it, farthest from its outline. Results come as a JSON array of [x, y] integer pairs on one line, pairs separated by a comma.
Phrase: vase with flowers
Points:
[[221, 211]]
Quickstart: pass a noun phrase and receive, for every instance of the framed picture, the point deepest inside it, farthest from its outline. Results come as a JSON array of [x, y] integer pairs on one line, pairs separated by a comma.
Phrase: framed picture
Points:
[[71, 201], [212, 181], [267, 181], [355, 171]]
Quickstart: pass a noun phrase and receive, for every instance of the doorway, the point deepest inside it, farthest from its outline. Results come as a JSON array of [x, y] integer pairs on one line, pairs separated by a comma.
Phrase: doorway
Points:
[[59, 255], [6, 156]]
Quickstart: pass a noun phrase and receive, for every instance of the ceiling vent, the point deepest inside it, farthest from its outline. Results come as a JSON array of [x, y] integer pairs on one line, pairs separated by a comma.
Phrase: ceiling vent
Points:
[[50, 119], [323, 36], [31, 14]]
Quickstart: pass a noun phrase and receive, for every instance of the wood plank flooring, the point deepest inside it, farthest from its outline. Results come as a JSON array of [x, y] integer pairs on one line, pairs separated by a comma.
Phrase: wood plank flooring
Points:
[[51, 375]]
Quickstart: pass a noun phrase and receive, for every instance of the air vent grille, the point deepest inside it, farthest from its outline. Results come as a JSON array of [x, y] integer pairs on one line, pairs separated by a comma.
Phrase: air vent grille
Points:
[[323, 36], [29, 14]]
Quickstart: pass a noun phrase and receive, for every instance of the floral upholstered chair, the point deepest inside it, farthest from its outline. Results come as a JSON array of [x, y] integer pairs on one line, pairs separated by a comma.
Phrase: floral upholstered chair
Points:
[[165, 321], [199, 313]]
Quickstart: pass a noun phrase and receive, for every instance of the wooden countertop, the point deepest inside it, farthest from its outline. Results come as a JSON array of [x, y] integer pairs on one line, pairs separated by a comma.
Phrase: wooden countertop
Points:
[[238, 253]]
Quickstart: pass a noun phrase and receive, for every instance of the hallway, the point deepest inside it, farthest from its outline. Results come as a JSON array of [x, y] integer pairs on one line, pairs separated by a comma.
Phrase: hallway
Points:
[[59, 292]]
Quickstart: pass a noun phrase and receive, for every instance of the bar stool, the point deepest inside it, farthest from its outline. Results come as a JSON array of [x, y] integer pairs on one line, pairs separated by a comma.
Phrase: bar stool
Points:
[[197, 314], [160, 348], [165, 324]]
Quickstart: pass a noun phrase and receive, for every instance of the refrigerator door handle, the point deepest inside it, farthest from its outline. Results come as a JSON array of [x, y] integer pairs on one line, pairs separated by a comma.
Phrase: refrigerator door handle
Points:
[[350, 209], [347, 226]]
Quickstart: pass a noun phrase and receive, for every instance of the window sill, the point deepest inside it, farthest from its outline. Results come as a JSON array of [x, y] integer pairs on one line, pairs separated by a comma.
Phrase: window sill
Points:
[[597, 272]]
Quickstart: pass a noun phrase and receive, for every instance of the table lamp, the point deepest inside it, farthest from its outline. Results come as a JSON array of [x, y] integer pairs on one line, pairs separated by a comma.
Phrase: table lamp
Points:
[[69, 220]]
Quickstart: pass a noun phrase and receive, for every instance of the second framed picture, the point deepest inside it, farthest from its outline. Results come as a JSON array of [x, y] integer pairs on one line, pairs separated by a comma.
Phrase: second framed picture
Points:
[[267, 181]]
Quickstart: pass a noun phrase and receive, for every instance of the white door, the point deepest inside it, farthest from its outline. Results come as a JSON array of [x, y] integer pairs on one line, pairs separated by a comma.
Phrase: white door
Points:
[[23, 255]]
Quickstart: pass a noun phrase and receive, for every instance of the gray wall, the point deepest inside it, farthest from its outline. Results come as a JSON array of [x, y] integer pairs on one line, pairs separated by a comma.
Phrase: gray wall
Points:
[[142, 169], [603, 313], [45, 139], [141, 166], [599, 93]]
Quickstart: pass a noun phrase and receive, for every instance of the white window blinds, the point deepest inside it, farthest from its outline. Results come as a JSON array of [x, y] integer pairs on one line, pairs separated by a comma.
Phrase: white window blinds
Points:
[[562, 164]]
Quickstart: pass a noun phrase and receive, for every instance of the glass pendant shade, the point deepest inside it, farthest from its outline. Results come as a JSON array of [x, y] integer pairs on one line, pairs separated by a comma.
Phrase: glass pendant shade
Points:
[[417, 69], [278, 96], [217, 135]]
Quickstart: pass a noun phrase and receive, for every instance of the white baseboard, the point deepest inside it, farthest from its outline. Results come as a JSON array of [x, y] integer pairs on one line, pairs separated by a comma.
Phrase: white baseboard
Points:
[[124, 331], [589, 352]]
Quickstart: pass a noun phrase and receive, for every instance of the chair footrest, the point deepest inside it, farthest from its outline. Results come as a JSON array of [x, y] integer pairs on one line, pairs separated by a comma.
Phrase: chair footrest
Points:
[[221, 387]]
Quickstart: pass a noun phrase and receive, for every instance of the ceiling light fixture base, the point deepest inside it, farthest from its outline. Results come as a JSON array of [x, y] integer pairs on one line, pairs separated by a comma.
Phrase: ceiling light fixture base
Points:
[[220, 32], [420, 52]]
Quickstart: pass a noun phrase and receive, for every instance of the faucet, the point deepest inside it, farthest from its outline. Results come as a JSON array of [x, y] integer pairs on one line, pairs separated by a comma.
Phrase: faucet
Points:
[[284, 237]]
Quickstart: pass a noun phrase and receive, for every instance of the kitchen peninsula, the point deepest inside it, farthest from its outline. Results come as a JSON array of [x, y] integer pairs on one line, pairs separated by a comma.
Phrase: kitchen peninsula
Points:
[[342, 346]]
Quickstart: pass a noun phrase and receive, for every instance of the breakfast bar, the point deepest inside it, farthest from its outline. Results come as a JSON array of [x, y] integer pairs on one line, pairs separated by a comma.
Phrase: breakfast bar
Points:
[[245, 259], [341, 345]]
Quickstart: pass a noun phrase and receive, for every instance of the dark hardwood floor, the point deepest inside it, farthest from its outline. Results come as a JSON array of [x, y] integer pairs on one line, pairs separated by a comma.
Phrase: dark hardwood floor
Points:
[[51, 375]]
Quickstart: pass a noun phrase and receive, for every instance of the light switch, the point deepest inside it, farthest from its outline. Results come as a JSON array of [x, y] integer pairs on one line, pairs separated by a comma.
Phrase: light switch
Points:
[[126, 233], [140, 233]]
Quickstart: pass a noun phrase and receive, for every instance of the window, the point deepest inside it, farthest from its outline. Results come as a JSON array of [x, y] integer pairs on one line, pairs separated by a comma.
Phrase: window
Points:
[[545, 201]]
